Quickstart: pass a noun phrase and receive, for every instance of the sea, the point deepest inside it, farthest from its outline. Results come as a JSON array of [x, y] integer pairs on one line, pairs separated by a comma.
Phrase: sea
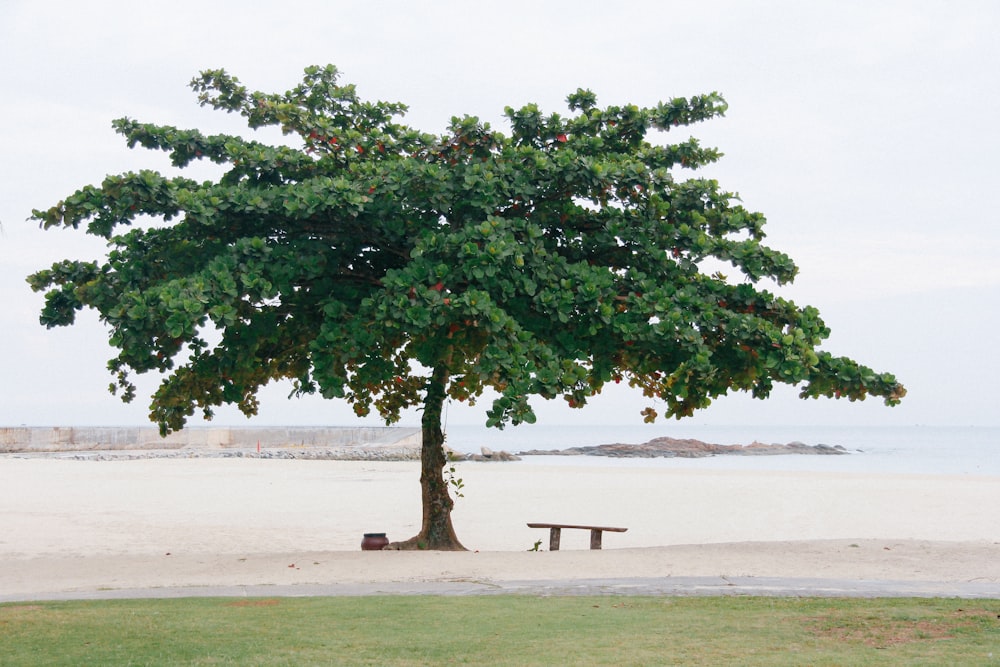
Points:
[[918, 450]]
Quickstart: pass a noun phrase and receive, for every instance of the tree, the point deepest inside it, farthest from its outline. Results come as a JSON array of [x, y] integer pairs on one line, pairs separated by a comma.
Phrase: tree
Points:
[[371, 262]]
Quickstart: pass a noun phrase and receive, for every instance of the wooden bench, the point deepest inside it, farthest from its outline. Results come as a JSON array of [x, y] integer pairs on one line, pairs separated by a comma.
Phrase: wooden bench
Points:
[[555, 532]]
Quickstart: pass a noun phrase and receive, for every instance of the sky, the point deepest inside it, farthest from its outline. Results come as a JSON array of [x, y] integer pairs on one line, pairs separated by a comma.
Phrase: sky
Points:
[[866, 131]]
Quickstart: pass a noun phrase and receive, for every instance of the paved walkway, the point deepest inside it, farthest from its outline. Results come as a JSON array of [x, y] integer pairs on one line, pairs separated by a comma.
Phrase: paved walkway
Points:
[[666, 586]]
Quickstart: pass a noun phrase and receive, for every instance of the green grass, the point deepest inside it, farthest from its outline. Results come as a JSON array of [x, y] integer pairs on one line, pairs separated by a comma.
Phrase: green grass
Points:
[[502, 630]]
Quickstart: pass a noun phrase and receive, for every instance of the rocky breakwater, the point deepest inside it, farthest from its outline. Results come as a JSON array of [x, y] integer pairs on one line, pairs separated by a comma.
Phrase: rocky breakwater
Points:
[[312, 454], [125, 443], [688, 448]]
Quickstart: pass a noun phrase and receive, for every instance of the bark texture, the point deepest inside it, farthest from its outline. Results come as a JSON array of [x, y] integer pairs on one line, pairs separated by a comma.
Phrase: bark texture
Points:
[[436, 532]]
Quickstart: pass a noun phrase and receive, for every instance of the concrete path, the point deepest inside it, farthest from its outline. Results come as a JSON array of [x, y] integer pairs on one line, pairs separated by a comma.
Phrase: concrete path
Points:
[[664, 586]]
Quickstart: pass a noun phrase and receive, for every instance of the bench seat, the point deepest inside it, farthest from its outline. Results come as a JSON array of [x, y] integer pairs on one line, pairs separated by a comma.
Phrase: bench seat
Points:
[[555, 533]]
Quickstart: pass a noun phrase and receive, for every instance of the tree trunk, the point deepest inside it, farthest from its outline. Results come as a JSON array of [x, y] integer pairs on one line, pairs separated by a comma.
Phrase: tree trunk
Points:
[[436, 532]]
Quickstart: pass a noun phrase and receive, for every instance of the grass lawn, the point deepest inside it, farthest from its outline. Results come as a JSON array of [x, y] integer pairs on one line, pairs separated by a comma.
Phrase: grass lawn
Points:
[[502, 630]]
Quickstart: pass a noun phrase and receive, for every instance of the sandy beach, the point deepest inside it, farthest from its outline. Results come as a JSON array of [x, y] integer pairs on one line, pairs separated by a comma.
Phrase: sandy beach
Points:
[[71, 528]]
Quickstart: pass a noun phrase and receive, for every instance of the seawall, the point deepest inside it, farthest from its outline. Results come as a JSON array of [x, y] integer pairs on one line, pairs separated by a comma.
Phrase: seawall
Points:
[[311, 442]]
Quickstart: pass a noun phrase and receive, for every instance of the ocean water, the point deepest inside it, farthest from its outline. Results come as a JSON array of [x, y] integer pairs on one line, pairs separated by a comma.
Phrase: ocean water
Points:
[[926, 450]]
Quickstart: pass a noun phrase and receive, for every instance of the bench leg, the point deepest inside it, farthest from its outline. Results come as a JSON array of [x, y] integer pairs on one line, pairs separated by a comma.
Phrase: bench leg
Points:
[[595, 539], [554, 534]]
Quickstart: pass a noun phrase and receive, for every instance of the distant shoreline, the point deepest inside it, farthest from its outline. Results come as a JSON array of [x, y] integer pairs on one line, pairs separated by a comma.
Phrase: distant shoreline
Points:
[[334, 444]]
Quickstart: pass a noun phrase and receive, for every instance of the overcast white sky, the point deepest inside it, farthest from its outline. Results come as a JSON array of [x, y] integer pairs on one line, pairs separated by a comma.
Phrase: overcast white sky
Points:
[[866, 131]]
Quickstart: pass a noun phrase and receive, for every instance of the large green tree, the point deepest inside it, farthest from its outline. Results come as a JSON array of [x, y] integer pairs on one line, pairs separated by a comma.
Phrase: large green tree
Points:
[[368, 261]]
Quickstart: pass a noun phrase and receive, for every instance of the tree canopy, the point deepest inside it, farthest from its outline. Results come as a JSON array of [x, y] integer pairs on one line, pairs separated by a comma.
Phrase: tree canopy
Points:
[[368, 261]]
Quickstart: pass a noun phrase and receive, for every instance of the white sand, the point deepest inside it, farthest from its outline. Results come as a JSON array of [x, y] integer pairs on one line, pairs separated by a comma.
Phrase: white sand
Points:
[[80, 525]]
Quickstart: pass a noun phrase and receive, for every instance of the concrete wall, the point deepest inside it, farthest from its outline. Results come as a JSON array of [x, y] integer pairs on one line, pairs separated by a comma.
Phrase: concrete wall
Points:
[[86, 438]]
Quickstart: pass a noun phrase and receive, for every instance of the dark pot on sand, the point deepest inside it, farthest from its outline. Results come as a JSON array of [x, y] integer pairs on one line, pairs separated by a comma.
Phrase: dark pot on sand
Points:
[[374, 542]]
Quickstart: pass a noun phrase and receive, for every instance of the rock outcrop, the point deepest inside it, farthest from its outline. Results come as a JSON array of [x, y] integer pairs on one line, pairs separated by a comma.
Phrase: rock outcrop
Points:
[[487, 454], [688, 448]]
